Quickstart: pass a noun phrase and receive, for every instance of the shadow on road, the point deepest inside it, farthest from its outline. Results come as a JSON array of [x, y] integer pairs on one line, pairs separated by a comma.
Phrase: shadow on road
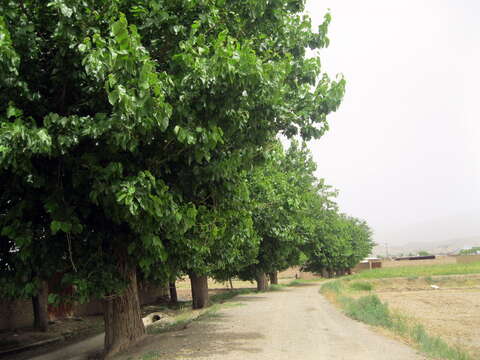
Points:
[[208, 337]]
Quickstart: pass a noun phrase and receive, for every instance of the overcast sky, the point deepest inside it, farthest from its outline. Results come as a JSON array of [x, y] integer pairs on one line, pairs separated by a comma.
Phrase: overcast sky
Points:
[[404, 147]]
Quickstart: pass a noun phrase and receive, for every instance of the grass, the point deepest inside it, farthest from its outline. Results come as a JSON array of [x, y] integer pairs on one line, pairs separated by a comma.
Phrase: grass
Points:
[[370, 310], [276, 287], [361, 286], [227, 295], [184, 319], [416, 271], [435, 346], [152, 355], [335, 287]]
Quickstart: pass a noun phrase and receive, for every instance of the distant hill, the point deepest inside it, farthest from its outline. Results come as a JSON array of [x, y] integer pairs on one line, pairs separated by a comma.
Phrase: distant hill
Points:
[[450, 246], [439, 236]]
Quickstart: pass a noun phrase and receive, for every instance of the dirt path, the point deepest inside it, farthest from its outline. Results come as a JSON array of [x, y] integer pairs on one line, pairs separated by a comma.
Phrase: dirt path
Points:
[[292, 324]]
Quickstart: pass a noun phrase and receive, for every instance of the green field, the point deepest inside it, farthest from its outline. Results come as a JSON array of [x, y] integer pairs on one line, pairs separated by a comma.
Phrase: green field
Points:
[[410, 271]]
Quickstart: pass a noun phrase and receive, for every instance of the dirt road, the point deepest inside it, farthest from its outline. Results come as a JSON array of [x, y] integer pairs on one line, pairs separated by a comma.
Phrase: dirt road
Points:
[[295, 324]]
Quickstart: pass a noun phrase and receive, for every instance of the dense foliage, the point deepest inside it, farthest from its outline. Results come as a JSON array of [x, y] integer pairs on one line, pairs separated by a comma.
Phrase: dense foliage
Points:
[[139, 137]]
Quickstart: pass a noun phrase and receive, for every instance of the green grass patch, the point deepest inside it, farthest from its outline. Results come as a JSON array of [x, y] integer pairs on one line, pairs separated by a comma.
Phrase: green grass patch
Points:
[[416, 271], [299, 282], [370, 310], [361, 286], [277, 287], [152, 355], [227, 295], [332, 286], [435, 346]]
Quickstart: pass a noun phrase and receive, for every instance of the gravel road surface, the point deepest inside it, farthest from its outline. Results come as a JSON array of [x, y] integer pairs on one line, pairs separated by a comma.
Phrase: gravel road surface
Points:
[[296, 323], [292, 324]]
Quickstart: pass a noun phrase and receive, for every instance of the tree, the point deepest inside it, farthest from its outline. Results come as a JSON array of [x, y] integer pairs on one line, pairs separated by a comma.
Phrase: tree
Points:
[[337, 243], [279, 190], [111, 110], [423, 253], [472, 251]]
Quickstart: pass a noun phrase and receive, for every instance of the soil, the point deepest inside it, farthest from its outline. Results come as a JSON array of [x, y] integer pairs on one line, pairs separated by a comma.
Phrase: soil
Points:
[[451, 312], [294, 323]]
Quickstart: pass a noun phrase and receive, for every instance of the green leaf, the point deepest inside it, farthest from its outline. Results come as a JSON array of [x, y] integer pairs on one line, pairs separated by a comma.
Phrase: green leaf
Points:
[[55, 226]]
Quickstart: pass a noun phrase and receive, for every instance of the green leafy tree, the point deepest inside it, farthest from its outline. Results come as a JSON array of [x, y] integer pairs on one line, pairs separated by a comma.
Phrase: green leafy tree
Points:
[[472, 251], [279, 191], [337, 244], [112, 110]]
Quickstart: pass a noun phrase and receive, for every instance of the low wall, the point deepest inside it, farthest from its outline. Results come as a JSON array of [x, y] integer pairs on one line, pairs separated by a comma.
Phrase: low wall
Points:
[[294, 272], [361, 266], [146, 294], [150, 294], [467, 259], [15, 314], [19, 314]]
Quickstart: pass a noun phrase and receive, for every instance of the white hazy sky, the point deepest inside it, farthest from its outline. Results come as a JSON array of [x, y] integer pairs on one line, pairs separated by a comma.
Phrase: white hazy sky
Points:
[[404, 147]]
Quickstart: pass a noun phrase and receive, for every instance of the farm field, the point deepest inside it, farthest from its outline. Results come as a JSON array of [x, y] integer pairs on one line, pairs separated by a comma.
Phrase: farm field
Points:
[[416, 271], [451, 312], [432, 307]]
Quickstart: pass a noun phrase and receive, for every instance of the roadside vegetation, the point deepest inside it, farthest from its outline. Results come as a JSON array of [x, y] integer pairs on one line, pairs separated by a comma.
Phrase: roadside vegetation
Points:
[[357, 297]]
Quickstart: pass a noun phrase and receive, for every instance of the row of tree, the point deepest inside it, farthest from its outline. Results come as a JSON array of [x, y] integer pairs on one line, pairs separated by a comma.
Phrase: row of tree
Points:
[[138, 139]]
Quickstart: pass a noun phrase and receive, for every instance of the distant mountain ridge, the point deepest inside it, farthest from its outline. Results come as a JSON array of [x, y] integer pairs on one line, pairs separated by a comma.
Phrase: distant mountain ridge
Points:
[[451, 246], [438, 235]]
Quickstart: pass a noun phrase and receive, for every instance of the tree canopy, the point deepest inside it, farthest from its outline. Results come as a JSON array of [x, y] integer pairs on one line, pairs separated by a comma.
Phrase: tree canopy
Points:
[[140, 137]]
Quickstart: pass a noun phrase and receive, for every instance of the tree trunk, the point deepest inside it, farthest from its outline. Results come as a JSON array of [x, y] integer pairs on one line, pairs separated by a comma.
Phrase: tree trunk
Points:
[[123, 320], [273, 278], [173, 293], [231, 284], [262, 282], [325, 273], [40, 308], [199, 291]]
